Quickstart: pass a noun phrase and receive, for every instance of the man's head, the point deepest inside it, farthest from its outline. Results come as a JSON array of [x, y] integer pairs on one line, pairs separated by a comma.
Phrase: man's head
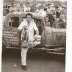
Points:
[[46, 18], [47, 23], [28, 17]]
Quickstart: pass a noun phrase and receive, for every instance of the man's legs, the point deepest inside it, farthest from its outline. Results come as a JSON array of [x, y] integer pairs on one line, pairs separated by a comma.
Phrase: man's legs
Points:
[[23, 56]]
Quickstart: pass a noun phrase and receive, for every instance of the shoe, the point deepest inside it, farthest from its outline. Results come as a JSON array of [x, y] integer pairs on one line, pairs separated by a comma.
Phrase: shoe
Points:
[[24, 67]]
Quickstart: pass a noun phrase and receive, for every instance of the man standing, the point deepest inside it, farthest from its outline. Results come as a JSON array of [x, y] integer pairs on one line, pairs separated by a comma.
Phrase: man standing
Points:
[[28, 26]]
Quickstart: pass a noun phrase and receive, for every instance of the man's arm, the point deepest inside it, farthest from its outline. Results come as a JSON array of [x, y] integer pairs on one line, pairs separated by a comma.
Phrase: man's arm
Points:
[[36, 29], [37, 32], [20, 26]]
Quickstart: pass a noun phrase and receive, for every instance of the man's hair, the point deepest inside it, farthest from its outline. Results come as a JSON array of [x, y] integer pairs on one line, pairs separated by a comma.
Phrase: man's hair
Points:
[[29, 14]]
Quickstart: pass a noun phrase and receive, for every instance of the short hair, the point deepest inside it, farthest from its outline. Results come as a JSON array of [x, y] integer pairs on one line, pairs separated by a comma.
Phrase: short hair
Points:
[[29, 14]]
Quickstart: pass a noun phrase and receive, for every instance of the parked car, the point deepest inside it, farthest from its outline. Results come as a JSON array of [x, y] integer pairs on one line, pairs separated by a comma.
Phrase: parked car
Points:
[[53, 40]]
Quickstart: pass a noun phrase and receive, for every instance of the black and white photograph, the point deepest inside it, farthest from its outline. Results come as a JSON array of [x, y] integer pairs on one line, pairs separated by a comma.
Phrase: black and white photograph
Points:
[[34, 35]]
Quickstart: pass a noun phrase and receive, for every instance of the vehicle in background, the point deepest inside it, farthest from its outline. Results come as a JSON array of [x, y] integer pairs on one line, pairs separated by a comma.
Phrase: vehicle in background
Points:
[[53, 39]]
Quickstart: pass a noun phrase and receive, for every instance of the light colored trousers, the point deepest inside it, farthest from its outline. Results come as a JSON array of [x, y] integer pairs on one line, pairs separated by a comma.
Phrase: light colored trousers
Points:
[[23, 55]]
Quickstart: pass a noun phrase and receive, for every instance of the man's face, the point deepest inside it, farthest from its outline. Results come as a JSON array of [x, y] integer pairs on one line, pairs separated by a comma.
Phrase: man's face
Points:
[[46, 19], [46, 22], [28, 18]]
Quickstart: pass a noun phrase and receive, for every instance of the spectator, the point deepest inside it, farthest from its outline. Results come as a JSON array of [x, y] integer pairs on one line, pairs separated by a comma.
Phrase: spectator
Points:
[[55, 22], [27, 7], [48, 9], [51, 19], [41, 11], [46, 19], [37, 10], [5, 5], [21, 8], [57, 11], [33, 8], [61, 23], [11, 8]]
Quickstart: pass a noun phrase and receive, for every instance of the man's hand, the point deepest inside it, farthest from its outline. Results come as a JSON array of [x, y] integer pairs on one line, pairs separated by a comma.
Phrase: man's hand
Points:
[[37, 32], [30, 44]]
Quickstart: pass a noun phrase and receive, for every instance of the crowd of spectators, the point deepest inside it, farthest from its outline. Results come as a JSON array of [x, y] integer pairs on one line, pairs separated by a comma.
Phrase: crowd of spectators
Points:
[[56, 13]]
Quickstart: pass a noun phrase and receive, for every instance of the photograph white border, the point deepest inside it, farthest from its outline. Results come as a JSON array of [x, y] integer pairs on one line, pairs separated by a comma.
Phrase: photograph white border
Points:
[[1, 18], [68, 62]]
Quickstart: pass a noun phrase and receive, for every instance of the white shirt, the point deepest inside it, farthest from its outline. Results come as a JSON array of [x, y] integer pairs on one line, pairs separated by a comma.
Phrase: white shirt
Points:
[[37, 10], [26, 8], [30, 29], [42, 13]]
